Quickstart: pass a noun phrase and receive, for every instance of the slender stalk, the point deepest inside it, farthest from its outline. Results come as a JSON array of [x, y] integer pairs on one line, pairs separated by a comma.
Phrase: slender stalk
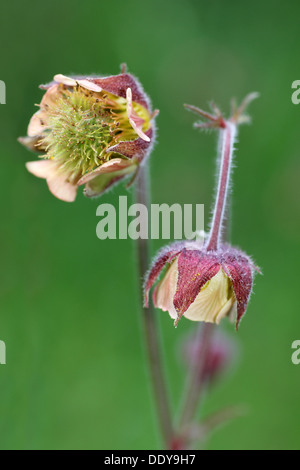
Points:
[[150, 324], [227, 142], [195, 385], [228, 131]]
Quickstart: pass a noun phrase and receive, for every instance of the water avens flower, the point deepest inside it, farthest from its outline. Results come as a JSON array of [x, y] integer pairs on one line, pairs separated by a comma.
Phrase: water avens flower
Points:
[[210, 280], [90, 131], [96, 131], [201, 285]]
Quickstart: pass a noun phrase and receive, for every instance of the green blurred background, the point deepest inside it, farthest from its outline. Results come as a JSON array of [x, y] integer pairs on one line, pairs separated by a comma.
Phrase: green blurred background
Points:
[[75, 374]]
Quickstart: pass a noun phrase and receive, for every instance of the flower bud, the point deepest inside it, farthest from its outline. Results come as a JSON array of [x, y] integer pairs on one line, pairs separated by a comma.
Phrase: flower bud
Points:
[[218, 356], [201, 285], [90, 131]]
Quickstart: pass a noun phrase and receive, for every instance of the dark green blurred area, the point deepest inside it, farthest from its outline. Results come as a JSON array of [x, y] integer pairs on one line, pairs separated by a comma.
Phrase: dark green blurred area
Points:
[[75, 374]]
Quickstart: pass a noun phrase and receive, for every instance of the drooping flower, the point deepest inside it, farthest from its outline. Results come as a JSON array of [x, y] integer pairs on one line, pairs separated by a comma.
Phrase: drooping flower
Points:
[[201, 285], [90, 131], [211, 280]]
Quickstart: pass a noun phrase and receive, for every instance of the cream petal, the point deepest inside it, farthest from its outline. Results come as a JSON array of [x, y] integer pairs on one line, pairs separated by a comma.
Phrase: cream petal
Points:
[[232, 314], [226, 310], [37, 124], [165, 291], [135, 121], [32, 143], [83, 82], [59, 78], [61, 188], [39, 121], [89, 85], [50, 97], [42, 168], [56, 181], [116, 164], [212, 303]]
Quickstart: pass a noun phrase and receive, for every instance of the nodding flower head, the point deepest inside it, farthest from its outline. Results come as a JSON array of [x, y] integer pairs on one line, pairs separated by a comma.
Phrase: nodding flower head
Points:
[[90, 131], [201, 285]]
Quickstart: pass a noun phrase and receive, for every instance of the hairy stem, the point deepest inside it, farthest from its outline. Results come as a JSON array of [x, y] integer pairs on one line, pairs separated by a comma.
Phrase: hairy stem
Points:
[[219, 229], [195, 385], [150, 325], [226, 148]]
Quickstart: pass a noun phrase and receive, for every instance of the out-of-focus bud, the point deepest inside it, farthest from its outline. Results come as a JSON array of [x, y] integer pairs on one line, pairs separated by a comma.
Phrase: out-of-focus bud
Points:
[[201, 285], [90, 131], [218, 356]]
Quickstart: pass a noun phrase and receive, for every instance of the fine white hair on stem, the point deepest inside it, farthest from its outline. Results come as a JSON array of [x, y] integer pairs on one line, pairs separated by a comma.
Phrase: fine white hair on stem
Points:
[[226, 147]]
